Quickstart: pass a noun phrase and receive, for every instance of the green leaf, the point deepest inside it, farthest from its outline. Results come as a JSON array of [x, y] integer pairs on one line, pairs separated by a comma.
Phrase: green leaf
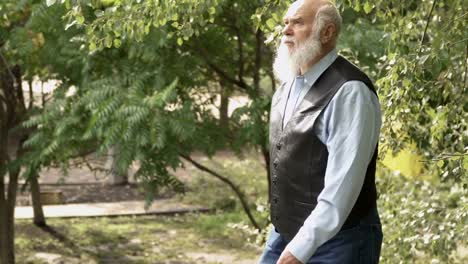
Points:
[[180, 41], [147, 28], [357, 6], [162, 21], [367, 7], [108, 41], [50, 2], [271, 23], [440, 163], [117, 43], [80, 19], [92, 46], [406, 83], [212, 10]]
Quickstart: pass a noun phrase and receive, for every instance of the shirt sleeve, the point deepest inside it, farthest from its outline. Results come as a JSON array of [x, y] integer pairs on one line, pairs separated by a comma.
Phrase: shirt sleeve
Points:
[[350, 128]]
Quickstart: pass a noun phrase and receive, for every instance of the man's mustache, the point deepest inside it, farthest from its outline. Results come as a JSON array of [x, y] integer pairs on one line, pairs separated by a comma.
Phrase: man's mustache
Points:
[[287, 40]]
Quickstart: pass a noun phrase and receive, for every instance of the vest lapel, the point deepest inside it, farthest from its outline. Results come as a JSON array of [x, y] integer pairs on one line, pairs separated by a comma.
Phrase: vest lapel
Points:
[[282, 102], [316, 95]]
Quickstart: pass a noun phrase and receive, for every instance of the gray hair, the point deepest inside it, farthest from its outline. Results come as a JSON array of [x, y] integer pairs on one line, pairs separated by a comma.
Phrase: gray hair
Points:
[[327, 14]]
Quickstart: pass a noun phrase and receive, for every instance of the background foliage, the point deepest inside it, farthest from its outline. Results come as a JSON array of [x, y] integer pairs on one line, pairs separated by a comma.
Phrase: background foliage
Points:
[[418, 60], [154, 77]]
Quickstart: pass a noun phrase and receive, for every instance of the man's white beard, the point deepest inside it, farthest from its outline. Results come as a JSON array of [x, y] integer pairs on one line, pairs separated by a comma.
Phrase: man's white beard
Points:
[[287, 66]]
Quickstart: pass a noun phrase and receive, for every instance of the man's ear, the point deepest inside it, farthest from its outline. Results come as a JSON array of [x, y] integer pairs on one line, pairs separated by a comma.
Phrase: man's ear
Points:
[[328, 33]]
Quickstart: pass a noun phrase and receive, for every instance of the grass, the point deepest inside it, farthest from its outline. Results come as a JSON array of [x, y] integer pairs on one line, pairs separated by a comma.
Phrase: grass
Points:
[[147, 239], [220, 237], [248, 173], [226, 237]]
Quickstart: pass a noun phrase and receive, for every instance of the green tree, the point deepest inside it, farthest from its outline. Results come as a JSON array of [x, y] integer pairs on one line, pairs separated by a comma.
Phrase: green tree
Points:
[[416, 52], [149, 97], [152, 70], [30, 37], [194, 30]]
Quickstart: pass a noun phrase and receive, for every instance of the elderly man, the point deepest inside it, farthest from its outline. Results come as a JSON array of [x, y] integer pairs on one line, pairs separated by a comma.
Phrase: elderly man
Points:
[[324, 129]]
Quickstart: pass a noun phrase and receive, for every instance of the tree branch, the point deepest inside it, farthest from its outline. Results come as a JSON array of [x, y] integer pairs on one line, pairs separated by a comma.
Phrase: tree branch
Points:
[[239, 83], [258, 59], [235, 188], [241, 54], [445, 156], [31, 94], [224, 75], [466, 66], [273, 80], [428, 19], [12, 76], [19, 89]]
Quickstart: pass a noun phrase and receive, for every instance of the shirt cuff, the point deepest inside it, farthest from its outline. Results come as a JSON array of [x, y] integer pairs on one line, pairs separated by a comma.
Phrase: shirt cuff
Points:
[[301, 248]]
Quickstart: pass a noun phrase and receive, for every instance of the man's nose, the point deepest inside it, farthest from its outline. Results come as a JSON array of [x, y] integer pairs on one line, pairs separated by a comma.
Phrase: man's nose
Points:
[[287, 31]]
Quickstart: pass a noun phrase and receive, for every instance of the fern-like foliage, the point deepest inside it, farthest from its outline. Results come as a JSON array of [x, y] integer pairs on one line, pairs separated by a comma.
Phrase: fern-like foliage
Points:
[[147, 114]]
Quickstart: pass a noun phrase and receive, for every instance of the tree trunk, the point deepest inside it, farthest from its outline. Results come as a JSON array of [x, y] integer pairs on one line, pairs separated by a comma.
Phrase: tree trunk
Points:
[[3, 161], [6, 244], [8, 233], [266, 157], [12, 110], [224, 107], [117, 177], [7, 207], [31, 94], [39, 218]]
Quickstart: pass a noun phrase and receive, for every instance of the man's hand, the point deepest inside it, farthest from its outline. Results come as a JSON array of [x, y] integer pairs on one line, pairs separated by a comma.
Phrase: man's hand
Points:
[[288, 258]]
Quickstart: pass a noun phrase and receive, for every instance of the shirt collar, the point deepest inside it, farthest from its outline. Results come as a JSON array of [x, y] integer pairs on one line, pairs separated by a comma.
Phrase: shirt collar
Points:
[[315, 71]]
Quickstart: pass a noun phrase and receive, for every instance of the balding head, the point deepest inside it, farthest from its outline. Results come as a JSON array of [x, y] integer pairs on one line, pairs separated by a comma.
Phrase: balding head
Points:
[[310, 31], [321, 15], [328, 15], [309, 6]]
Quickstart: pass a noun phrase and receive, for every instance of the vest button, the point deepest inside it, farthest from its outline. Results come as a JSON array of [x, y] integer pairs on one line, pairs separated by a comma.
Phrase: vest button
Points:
[[278, 145]]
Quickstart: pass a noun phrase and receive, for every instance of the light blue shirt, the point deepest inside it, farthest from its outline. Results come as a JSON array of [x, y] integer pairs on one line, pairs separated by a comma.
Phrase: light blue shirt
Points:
[[349, 126]]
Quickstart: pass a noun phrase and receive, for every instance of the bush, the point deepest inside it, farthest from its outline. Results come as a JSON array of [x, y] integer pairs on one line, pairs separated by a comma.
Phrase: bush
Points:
[[423, 222]]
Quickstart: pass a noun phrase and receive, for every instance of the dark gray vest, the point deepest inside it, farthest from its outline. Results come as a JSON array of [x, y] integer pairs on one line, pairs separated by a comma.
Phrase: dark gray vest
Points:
[[299, 159]]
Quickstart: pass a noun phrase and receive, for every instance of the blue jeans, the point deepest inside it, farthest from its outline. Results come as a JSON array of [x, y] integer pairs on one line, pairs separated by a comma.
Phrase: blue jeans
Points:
[[359, 244]]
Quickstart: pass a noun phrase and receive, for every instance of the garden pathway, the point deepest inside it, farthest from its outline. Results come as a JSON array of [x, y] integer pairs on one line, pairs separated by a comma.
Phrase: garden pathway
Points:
[[160, 206]]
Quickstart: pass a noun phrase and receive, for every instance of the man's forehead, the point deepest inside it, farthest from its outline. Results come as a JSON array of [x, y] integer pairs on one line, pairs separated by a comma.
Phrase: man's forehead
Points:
[[305, 7], [294, 8]]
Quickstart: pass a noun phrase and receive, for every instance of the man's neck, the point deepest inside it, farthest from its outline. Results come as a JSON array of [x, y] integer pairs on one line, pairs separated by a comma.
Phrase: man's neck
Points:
[[315, 60]]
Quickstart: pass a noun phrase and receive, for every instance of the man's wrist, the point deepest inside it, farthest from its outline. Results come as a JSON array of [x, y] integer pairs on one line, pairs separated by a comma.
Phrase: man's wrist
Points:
[[301, 248]]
